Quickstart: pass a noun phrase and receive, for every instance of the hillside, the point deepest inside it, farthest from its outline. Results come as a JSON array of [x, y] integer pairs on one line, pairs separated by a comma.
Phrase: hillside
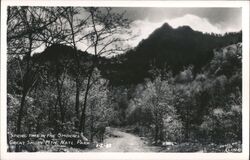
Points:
[[165, 49], [168, 49]]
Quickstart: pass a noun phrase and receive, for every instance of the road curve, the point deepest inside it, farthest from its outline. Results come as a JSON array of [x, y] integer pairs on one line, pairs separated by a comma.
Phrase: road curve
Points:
[[124, 142]]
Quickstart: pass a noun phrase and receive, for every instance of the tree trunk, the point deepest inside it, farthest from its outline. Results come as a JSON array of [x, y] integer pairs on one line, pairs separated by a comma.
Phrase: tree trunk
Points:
[[77, 67], [91, 124], [83, 116], [187, 125], [162, 135], [59, 98], [55, 118], [25, 86], [156, 133], [20, 115], [77, 104]]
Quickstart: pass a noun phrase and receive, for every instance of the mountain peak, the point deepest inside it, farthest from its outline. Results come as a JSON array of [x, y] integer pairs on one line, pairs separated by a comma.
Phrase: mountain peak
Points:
[[166, 26], [185, 28]]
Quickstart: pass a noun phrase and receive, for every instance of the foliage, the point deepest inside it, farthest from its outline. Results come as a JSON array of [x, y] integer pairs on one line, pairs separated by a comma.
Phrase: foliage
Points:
[[155, 111]]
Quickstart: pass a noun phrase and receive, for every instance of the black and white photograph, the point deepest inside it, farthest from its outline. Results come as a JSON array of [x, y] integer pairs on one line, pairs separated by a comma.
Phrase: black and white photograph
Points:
[[139, 79]]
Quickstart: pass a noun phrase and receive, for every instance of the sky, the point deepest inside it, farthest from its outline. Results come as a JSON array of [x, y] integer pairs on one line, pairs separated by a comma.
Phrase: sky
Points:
[[145, 20], [216, 20]]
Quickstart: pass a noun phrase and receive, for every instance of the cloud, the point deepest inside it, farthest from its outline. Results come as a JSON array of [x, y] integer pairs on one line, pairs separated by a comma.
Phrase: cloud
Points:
[[143, 28], [196, 23]]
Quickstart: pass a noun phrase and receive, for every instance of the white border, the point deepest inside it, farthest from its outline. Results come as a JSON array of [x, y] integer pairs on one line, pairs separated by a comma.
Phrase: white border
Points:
[[72, 156]]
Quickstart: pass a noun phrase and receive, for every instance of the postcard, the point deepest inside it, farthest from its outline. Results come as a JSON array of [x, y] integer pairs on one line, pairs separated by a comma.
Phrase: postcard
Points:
[[124, 79]]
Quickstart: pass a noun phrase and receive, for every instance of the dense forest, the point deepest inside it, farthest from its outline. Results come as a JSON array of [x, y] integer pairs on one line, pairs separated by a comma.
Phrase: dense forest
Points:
[[178, 85]]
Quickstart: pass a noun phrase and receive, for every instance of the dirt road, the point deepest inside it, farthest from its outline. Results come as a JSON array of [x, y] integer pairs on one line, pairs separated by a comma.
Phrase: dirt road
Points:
[[124, 142]]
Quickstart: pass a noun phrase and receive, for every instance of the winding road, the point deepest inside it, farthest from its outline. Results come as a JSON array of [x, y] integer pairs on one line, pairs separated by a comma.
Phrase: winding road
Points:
[[124, 142]]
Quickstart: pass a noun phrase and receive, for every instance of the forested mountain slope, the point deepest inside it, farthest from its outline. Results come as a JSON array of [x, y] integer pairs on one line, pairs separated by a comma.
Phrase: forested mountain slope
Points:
[[201, 106], [168, 49]]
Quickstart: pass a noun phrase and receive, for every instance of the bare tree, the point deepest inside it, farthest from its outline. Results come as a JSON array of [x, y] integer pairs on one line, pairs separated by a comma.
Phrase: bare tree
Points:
[[98, 29], [74, 25], [30, 28], [104, 37], [24, 26]]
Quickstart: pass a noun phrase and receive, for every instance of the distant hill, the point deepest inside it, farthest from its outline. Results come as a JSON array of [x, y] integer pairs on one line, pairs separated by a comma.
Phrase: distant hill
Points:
[[58, 52], [165, 49], [171, 49]]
